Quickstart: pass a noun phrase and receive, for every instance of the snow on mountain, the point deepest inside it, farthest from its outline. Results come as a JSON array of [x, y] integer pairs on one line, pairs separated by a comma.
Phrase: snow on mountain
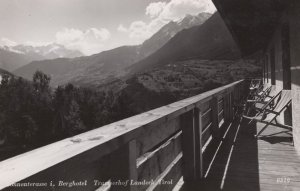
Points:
[[170, 30], [107, 65], [50, 51]]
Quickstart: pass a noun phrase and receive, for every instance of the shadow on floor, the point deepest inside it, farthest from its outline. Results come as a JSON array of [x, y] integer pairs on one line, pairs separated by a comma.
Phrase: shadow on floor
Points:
[[276, 139], [231, 162]]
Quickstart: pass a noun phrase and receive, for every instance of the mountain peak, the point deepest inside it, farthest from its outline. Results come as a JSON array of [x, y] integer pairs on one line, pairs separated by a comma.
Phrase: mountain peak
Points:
[[48, 51], [191, 20], [170, 30], [211, 40]]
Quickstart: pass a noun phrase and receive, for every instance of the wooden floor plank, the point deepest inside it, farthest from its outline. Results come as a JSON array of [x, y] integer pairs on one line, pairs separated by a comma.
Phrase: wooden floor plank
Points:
[[242, 162]]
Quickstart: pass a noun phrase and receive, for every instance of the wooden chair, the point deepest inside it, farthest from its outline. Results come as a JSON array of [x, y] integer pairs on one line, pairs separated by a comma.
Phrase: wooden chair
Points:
[[261, 97], [267, 100], [255, 84], [269, 113]]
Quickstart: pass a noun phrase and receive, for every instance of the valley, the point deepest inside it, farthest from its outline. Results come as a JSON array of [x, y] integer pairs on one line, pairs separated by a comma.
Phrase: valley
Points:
[[108, 65], [46, 100]]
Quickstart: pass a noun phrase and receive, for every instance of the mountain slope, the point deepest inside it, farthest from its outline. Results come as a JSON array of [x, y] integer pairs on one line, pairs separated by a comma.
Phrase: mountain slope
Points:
[[4, 72], [168, 31], [102, 67], [14, 57], [11, 60], [212, 40], [62, 70]]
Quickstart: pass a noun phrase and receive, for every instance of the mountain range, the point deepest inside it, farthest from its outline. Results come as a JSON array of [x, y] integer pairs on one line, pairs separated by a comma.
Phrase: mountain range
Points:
[[108, 65], [209, 41], [13, 57], [168, 31], [50, 51]]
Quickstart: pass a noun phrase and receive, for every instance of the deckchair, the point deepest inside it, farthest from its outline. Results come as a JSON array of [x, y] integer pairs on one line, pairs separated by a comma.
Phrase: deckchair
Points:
[[261, 97], [267, 100], [254, 87], [260, 106], [269, 114], [255, 84]]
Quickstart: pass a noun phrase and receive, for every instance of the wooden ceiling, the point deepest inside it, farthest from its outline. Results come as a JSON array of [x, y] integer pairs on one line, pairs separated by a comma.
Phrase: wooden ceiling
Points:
[[251, 22]]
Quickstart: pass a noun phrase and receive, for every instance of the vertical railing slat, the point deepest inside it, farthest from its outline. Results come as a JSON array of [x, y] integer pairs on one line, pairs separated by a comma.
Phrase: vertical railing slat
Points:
[[198, 142], [231, 109], [188, 146], [215, 116]]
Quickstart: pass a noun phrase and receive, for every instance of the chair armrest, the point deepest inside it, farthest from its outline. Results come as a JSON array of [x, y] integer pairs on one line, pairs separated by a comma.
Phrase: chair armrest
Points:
[[271, 111], [252, 100]]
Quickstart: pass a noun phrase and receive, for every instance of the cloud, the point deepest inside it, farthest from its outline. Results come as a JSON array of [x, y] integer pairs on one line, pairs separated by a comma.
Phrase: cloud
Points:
[[154, 9], [161, 13], [90, 41], [121, 28], [139, 30], [177, 9], [7, 42]]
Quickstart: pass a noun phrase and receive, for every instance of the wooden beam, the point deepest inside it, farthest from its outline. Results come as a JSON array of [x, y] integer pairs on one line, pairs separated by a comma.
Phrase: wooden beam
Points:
[[124, 168], [198, 143], [154, 163], [214, 117], [188, 147], [231, 106], [206, 133], [171, 175], [227, 108], [92, 145], [152, 137]]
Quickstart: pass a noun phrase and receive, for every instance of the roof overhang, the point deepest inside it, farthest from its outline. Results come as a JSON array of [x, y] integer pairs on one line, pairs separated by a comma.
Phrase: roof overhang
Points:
[[251, 22]]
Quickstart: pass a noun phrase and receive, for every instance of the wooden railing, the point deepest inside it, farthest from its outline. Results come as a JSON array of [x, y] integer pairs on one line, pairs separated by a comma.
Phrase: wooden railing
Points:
[[149, 151]]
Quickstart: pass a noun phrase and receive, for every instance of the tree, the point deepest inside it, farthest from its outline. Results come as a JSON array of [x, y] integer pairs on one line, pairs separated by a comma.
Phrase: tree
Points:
[[41, 81], [73, 123], [42, 108], [67, 120]]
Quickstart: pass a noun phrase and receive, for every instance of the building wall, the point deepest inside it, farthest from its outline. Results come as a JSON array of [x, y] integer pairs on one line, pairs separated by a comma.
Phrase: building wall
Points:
[[278, 59], [294, 15], [275, 54], [267, 66]]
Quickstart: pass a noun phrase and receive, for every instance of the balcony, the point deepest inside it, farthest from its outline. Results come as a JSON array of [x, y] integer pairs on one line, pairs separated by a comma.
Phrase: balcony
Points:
[[200, 143]]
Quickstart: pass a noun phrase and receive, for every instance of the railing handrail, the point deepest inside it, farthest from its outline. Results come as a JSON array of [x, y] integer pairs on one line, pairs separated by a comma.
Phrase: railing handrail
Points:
[[103, 140]]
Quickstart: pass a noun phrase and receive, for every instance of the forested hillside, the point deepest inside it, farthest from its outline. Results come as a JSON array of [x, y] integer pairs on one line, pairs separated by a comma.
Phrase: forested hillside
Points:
[[32, 114]]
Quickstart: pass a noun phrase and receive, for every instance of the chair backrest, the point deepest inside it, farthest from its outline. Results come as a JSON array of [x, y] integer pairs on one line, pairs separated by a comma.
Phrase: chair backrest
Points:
[[274, 98], [266, 89], [274, 91], [255, 84], [282, 101]]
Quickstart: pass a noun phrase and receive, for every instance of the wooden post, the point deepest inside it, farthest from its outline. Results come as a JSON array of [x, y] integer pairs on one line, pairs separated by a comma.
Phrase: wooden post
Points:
[[236, 94], [188, 147], [124, 169], [198, 143], [226, 108], [215, 117], [230, 107], [238, 89]]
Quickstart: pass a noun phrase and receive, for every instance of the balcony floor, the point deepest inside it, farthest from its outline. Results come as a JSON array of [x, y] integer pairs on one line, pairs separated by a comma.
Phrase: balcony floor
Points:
[[244, 163]]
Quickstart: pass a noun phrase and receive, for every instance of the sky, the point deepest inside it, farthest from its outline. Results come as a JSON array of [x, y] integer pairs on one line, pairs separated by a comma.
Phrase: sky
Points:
[[90, 26]]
